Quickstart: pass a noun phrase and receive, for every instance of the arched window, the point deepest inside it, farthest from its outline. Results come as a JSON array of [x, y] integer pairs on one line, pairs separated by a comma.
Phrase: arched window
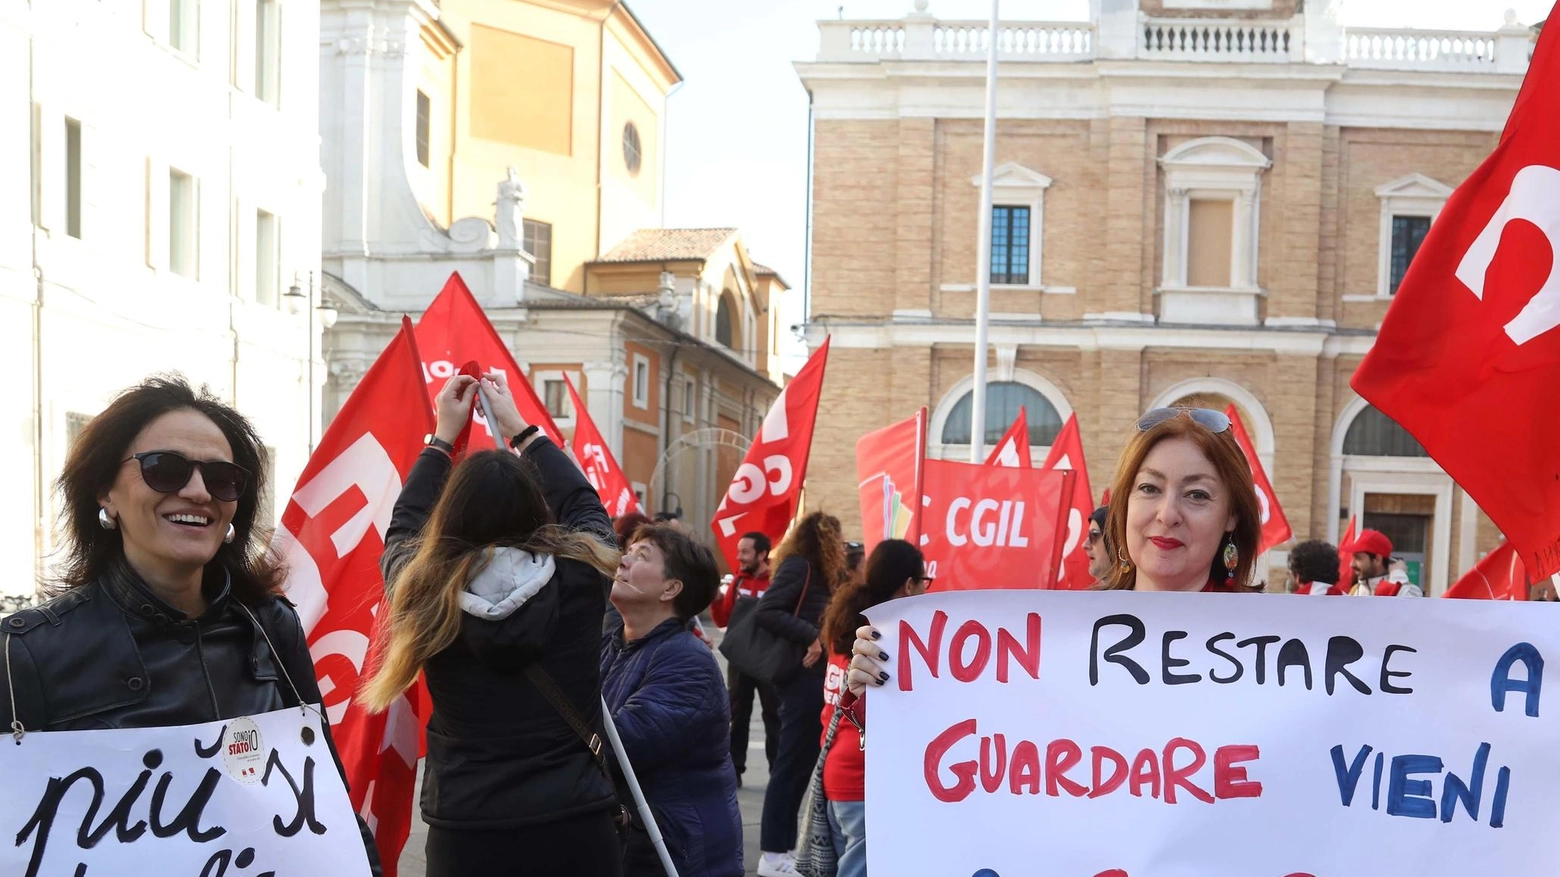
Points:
[[1373, 434], [1003, 399], [724, 320]]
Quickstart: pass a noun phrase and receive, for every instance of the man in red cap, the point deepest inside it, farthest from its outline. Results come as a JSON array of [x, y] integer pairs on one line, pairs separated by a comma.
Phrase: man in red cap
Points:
[[1376, 574]]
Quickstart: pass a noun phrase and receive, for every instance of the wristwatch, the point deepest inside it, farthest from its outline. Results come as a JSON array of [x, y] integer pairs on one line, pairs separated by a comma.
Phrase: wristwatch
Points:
[[522, 435], [434, 441]]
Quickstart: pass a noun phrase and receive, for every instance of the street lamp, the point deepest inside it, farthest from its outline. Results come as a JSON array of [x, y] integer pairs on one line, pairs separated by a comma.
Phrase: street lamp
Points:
[[299, 301]]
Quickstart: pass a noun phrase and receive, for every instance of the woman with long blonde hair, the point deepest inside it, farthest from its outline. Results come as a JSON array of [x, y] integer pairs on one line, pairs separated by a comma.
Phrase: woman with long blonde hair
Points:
[[495, 570]]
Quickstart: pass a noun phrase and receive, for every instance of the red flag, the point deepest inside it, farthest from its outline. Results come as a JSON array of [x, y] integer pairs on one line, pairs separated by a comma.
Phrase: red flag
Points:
[[1468, 357], [992, 526], [1067, 456], [596, 459], [1345, 559], [453, 330], [332, 535], [763, 494], [1013, 449], [1275, 526], [890, 468], [1499, 576]]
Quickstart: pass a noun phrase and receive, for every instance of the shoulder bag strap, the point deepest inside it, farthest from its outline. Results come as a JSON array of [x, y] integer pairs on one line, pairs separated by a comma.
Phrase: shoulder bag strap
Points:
[[549, 689], [808, 581]]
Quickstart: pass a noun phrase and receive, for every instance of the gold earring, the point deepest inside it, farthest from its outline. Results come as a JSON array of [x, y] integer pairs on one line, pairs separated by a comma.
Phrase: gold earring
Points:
[[1126, 565]]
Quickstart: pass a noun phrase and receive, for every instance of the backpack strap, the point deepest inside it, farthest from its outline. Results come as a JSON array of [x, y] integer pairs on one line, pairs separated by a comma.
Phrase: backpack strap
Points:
[[549, 689]]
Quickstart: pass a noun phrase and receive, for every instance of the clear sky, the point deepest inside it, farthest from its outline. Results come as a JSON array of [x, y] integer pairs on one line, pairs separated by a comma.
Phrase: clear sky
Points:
[[736, 152]]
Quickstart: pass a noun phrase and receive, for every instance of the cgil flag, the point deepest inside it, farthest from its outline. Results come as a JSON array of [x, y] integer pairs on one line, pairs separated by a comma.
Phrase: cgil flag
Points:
[[764, 493], [596, 460], [331, 537], [1499, 576], [1275, 525], [1013, 448], [1066, 455]]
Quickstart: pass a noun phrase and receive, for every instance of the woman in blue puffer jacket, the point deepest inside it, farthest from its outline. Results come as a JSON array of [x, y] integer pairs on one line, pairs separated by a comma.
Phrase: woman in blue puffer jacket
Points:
[[670, 704]]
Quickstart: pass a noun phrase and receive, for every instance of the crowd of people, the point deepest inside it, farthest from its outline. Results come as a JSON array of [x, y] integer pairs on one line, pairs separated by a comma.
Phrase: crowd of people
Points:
[[527, 610]]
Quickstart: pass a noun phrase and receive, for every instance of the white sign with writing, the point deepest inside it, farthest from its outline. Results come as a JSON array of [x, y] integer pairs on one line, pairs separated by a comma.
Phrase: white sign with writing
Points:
[[250, 796], [1069, 734]]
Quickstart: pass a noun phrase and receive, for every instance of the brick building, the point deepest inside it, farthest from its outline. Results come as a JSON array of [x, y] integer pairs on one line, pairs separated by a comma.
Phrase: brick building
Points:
[[1190, 205]]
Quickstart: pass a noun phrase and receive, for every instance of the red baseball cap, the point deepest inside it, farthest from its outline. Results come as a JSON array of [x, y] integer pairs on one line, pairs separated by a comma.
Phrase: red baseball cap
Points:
[[1369, 542]]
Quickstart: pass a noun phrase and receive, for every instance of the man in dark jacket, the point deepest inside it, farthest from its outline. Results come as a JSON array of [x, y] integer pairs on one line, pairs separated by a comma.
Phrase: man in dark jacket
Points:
[[669, 703]]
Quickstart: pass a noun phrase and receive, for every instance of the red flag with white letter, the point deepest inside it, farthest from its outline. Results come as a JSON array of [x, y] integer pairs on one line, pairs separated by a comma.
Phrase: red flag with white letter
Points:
[[1499, 576], [1067, 456], [1275, 526], [332, 536], [1013, 449], [596, 459], [763, 494], [890, 466], [992, 526], [454, 330], [1468, 357]]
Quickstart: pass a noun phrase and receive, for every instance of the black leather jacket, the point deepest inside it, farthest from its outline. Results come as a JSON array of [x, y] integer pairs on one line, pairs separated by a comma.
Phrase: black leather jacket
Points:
[[111, 654]]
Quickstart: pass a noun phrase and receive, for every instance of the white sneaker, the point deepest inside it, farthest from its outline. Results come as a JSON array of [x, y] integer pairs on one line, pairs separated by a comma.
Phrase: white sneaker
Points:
[[776, 865]]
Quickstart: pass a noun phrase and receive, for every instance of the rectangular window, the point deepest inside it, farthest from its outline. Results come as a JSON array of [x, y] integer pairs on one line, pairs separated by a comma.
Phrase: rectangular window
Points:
[[641, 382], [267, 49], [73, 178], [75, 422], [424, 126], [181, 223], [265, 259], [1209, 242], [182, 24], [1010, 245], [688, 399], [538, 242], [556, 394], [1408, 232]]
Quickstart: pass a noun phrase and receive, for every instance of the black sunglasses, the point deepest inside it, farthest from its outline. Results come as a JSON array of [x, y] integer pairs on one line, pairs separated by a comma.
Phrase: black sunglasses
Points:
[[1214, 421], [169, 471]]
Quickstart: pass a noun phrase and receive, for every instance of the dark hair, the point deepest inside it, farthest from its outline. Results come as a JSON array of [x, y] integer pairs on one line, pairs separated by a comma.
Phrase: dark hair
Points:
[[816, 539], [687, 561], [492, 498], [1315, 561], [1098, 516], [761, 543], [893, 562], [663, 517], [255, 574], [625, 525]]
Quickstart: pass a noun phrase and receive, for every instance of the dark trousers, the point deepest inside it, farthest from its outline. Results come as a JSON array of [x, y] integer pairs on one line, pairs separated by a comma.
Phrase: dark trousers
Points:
[[584, 846], [743, 687], [801, 726]]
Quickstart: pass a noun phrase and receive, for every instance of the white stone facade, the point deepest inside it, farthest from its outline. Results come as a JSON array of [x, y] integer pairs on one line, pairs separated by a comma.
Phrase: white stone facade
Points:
[[159, 192]]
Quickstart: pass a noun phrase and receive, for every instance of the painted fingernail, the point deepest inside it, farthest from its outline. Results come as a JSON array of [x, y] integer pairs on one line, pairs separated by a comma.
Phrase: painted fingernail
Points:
[[883, 676], [876, 635], [882, 656]]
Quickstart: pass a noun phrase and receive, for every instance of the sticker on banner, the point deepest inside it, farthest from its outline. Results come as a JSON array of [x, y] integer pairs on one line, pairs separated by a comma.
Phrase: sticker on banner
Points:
[[243, 750]]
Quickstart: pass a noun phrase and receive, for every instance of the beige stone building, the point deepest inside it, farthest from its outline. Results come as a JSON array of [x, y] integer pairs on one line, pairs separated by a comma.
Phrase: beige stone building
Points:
[[521, 143], [1194, 201]]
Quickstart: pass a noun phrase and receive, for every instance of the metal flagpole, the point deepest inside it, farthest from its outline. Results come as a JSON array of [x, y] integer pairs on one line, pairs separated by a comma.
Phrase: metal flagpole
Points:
[[606, 712], [983, 253]]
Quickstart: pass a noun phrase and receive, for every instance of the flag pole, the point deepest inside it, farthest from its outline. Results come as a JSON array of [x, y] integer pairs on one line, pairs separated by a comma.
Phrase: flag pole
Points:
[[983, 252], [606, 714]]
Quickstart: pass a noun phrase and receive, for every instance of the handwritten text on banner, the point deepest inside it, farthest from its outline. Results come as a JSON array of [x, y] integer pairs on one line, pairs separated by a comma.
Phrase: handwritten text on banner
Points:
[[1029, 733], [248, 796]]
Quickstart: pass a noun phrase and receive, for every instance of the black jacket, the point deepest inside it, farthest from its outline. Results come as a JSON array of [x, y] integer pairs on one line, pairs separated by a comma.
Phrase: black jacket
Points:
[[111, 654], [792, 607], [499, 755]]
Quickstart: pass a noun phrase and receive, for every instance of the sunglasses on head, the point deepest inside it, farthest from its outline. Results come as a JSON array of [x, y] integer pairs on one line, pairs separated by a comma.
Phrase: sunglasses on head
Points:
[[169, 471], [1214, 421]]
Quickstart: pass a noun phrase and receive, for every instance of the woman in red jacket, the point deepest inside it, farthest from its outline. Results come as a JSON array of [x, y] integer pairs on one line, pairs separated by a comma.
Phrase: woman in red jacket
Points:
[[895, 569]]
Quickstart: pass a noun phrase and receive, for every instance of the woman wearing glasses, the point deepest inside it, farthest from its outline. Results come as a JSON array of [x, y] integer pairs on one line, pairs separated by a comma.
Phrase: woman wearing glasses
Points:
[[1185, 517], [895, 569], [170, 611], [1097, 548]]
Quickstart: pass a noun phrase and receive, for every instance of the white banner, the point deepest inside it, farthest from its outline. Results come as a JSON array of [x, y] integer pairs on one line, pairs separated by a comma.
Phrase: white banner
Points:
[[250, 796], [1071, 734]]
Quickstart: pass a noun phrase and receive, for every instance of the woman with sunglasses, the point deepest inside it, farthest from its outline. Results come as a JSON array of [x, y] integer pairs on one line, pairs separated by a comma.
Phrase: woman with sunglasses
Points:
[[170, 609], [894, 569], [1184, 517]]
